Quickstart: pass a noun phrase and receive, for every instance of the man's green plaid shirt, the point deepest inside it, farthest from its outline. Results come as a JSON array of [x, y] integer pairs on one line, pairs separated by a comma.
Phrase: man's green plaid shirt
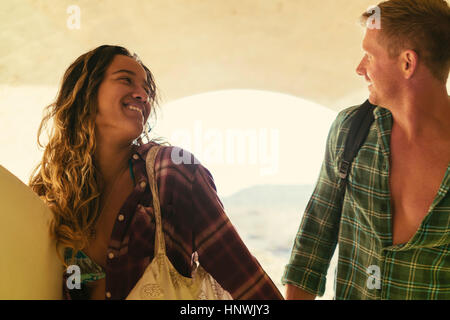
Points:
[[369, 266]]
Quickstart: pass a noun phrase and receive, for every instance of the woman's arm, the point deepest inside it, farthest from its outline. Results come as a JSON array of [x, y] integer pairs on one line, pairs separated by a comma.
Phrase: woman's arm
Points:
[[221, 251]]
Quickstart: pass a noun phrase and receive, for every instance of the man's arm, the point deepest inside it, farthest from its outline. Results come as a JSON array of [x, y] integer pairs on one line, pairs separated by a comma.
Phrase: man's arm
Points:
[[295, 293], [317, 237]]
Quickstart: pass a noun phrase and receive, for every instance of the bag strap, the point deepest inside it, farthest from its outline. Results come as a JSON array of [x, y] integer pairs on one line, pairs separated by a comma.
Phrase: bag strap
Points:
[[160, 246], [359, 129]]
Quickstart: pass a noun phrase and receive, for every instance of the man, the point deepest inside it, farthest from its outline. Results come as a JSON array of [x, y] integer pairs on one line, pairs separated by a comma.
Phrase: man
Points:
[[393, 226]]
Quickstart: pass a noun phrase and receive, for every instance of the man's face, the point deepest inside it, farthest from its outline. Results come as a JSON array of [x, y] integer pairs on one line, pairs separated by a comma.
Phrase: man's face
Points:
[[380, 71], [123, 105]]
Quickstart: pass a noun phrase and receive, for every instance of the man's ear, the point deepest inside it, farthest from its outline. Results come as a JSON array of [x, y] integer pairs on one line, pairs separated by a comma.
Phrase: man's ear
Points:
[[409, 60]]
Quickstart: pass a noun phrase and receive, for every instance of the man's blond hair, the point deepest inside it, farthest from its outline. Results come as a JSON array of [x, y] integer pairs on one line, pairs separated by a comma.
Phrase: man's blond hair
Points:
[[420, 25]]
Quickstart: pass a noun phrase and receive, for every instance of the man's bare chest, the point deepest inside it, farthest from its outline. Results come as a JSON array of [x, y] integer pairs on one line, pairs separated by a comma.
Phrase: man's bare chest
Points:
[[415, 177]]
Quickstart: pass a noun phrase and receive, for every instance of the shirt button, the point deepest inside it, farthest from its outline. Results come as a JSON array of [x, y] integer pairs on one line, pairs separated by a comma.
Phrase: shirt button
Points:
[[108, 294], [121, 217], [135, 156], [111, 255], [143, 184]]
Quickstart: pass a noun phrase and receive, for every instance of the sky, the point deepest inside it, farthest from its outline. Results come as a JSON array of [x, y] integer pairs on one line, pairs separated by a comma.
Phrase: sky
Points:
[[243, 137]]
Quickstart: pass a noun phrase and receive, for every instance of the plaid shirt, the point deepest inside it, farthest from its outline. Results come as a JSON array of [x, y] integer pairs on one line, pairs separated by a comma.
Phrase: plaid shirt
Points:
[[369, 266], [193, 220]]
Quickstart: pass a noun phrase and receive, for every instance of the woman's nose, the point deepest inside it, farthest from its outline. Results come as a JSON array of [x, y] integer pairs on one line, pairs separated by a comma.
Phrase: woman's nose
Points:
[[141, 94]]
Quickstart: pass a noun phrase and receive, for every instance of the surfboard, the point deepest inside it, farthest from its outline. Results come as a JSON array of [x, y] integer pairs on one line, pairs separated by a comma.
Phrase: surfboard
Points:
[[29, 266]]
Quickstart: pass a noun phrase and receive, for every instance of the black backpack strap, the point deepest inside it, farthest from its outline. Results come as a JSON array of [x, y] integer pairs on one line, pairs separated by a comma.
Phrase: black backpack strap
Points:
[[359, 129]]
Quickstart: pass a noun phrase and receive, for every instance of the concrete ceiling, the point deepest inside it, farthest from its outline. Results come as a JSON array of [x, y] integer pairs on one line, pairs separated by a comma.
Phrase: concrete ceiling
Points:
[[305, 48]]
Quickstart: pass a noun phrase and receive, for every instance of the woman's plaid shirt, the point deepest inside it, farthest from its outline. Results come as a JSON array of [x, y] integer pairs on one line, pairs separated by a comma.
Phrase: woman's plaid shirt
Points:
[[369, 266], [193, 220]]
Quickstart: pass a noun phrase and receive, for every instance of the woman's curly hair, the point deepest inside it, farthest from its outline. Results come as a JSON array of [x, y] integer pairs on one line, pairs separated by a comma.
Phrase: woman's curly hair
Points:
[[67, 177]]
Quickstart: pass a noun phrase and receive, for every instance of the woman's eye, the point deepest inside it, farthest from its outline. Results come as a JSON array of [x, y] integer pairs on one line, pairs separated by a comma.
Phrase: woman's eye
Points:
[[126, 79]]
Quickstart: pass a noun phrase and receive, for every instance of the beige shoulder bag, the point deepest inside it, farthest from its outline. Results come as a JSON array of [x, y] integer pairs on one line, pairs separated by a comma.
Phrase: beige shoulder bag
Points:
[[161, 281]]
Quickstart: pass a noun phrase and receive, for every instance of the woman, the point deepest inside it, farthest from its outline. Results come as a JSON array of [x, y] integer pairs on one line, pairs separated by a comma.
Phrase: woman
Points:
[[93, 177]]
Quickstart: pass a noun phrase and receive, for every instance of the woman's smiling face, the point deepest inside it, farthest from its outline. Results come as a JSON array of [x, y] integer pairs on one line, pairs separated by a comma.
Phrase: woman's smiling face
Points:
[[123, 100]]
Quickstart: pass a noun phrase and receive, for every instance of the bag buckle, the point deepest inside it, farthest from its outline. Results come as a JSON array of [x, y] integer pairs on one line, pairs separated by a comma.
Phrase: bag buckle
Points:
[[343, 169]]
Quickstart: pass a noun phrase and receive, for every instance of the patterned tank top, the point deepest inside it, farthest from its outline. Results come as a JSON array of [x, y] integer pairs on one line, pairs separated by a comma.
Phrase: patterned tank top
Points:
[[90, 271]]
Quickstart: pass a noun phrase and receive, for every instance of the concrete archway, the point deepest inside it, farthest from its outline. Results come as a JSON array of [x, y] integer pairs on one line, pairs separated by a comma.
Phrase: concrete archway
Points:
[[305, 48]]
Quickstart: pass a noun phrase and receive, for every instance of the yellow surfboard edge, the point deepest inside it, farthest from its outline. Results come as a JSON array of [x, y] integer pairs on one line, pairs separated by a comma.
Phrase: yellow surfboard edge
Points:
[[29, 265]]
